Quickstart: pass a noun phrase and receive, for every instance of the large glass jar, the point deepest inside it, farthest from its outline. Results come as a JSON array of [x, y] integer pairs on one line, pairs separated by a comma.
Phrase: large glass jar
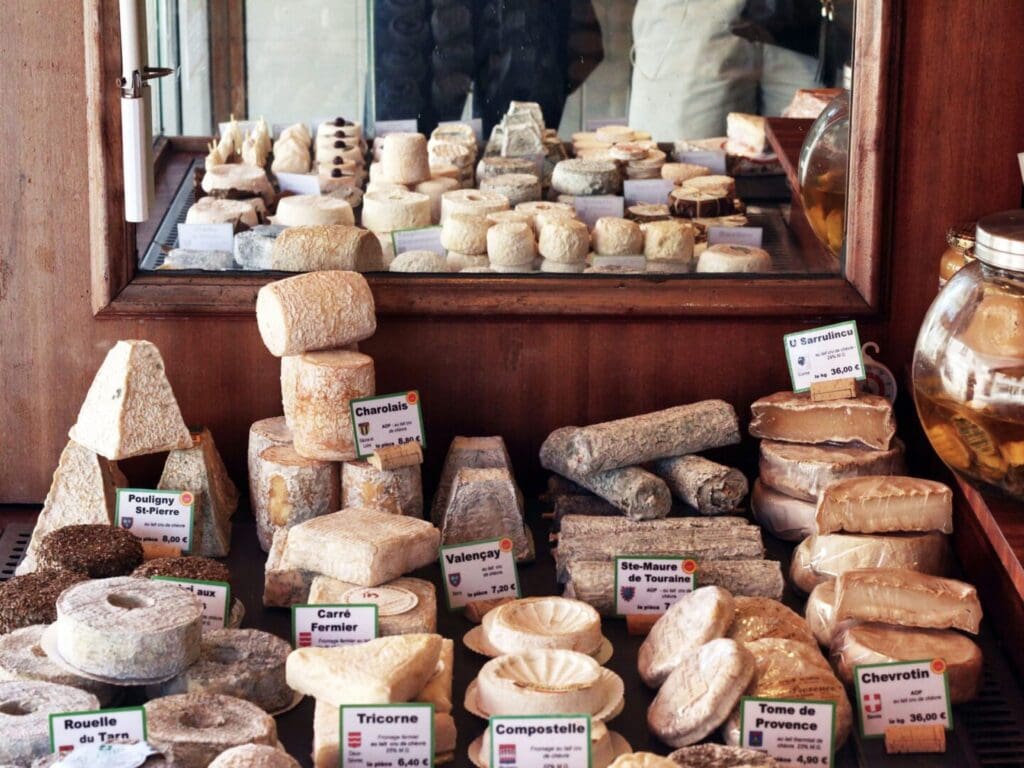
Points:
[[822, 172], [968, 369], [959, 251]]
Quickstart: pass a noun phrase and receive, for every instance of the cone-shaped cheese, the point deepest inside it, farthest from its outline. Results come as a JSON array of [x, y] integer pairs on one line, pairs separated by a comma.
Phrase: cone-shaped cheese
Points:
[[130, 409]]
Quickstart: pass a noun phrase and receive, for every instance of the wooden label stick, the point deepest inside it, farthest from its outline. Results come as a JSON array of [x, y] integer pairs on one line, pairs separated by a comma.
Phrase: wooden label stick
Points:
[[395, 456], [836, 389], [906, 739]]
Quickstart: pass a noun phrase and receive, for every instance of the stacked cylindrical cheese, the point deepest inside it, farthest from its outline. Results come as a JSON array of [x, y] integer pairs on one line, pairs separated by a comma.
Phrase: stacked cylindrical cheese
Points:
[[340, 154]]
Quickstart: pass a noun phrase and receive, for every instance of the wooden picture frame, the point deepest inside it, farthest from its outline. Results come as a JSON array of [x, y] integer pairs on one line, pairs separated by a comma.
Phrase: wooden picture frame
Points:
[[118, 290]]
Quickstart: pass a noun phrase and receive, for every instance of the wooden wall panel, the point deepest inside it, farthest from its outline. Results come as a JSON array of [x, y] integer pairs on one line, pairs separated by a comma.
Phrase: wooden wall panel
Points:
[[518, 378]]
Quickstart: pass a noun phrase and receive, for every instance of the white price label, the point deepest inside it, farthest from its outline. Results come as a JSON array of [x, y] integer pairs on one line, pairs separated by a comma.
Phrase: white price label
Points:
[[823, 354], [384, 127], [421, 239], [328, 626], [385, 420], [902, 693], [600, 122], [791, 731], [712, 159], [650, 191], [299, 183], [206, 237], [214, 595], [161, 517], [749, 236], [540, 740], [652, 584], [591, 208], [479, 570], [69, 730], [387, 736]]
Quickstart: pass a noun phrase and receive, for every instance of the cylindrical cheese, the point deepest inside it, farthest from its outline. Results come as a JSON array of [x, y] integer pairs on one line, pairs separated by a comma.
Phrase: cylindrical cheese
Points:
[[419, 261], [501, 217], [566, 241], [648, 212], [288, 489], [318, 310], [713, 182], [299, 210], [321, 247], [517, 187], [668, 241], [615, 133], [317, 389], [404, 158], [471, 201], [460, 262], [212, 210], [446, 171], [398, 491], [734, 258], [613, 236], [465, 233], [511, 245], [434, 188], [587, 177], [679, 173], [515, 269], [559, 267], [447, 153], [386, 211]]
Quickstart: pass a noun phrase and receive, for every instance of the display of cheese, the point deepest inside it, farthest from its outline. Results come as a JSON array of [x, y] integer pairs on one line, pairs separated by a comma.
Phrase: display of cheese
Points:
[[398, 491], [879, 504], [363, 546], [25, 709], [334, 246], [130, 409], [479, 202], [22, 658], [313, 210], [466, 233], [756, 618], [883, 644], [748, 130], [404, 158], [83, 490], [710, 487], [605, 747], [317, 389], [587, 177], [540, 623], [820, 612], [907, 599], [201, 470], [796, 418], [782, 516], [825, 556], [254, 756], [315, 311], [404, 606], [710, 755], [802, 471], [382, 671], [467, 453], [693, 620], [284, 584], [700, 692], [288, 489], [483, 504]]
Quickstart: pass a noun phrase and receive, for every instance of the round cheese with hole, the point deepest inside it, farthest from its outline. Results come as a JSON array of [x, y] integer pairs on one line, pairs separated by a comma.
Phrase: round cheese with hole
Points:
[[480, 202], [386, 211]]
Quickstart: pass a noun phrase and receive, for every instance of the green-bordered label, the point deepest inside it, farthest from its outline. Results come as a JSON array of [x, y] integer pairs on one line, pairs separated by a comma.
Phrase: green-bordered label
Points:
[[214, 595], [387, 736], [479, 570], [902, 693], [824, 354], [540, 740], [384, 420], [328, 626], [793, 731], [648, 584], [69, 730], [161, 517]]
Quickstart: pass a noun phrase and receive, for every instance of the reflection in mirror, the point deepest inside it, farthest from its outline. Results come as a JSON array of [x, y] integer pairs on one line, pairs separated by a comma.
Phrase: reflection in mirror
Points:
[[658, 137]]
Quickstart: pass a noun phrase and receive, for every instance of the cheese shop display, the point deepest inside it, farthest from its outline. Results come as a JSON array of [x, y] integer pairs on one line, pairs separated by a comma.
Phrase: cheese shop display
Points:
[[25, 707]]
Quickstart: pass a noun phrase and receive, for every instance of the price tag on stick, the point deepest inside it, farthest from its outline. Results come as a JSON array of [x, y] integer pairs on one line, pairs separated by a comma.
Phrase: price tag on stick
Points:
[[828, 353], [902, 693], [479, 570]]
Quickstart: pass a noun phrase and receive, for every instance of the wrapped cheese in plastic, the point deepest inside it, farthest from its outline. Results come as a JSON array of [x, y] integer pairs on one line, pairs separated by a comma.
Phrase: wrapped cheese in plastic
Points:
[[820, 612]]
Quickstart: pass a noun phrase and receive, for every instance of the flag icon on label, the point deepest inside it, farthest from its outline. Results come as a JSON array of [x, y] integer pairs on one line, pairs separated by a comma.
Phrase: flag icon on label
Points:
[[506, 754], [872, 703], [355, 740], [305, 639]]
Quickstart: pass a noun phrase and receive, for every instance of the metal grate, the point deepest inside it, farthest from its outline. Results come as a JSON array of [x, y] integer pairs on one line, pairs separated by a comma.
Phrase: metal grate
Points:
[[994, 723], [13, 543], [166, 236]]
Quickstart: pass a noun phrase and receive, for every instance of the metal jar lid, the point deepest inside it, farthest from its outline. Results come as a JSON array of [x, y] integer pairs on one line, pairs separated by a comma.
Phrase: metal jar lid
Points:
[[1000, 240], [961, 236]]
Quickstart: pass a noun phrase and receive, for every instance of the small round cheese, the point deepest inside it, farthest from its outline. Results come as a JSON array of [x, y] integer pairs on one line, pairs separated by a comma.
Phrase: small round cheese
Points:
[[192, 729], [558, 267], [434, 188], [646, 212], [566, 241], [668, 241], [500, 217], [627, 151], [212, 210], [465, 233], [395, 209], [517, 187], [586, 177], [511, 245], [461, 262], [419, 261], [472, 201], [404, 158], [691, 203], [681, 172], [300, 210], [734, 258], [541, 211], [613, 236]]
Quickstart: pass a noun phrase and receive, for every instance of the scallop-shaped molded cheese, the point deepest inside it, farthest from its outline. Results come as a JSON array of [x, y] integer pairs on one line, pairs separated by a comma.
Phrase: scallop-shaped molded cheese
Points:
[[543, 622]]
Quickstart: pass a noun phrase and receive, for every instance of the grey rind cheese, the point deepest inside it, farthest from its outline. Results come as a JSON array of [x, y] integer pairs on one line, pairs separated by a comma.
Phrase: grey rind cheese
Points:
[[289, 489], [467, 453], [721, 756], [25, 709], [637, 493], [22, 658], [254, 756], [582, 525], [803, 471], [245, 663], [586, 177], [662, 434], [580, 504], [710, 487], [128, 628], [398, 491], [284, 584], [264, 434], [593, 581], [404, 606], [486, 504], [191, 729], [326, 246]]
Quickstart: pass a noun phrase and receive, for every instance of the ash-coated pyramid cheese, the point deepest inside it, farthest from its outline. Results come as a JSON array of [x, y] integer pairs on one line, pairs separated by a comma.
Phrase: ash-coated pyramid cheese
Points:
[[382, 671], [130, 409], [25, 709], [467, 453], [364, 546], [483, 504], [404, 606]]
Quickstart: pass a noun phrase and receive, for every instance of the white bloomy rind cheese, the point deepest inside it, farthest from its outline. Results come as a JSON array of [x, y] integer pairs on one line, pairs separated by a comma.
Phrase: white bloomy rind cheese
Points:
[[404, 606], [289, 489], [130, 409], [541, 682], [877, 504], [795, 418], [802, 471], [318, 310]]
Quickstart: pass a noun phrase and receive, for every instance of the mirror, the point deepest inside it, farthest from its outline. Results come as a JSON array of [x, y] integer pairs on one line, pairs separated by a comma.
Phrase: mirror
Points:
[[658, 104]]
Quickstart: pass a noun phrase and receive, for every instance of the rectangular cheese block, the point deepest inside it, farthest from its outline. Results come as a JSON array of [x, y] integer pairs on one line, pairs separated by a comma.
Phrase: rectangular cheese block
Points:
[[748, 130], [878, 504], [404, 606], [795, 418], [907, 599], [802, 471], [363, 546], [284, 584], [438, 690]]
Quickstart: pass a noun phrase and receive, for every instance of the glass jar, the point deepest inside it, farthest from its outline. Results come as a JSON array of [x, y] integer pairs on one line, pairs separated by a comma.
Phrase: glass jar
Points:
[[968, 371], [959, 251], [822, 173]]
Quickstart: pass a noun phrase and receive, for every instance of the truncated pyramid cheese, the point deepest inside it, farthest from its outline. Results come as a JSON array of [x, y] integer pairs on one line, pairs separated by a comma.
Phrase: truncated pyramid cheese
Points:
[[757, 618], [317, 310], [284, 584], [201, 470], [700, 692], [822, 557], [883, 644], [782, 516], [364, 546], [467, 453], [382, 671], [130, 409], [820, 612], [876, 504], [404, 606], [695, 619], [317, 389], [289, 489], [713, 489], [254, 756], [802, 471], [438, 690], [795, 418], [486, 504], [22, 658], [908, 599], [83, 490], [25, 709], [398, 491]]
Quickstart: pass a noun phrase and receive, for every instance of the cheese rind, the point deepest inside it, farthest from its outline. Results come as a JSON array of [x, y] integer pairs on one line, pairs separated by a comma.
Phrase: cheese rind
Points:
[[289, 489], [908, 599], [25, 735], [795, 418], [284, 584], [254, 756], [878, 504], [756, 618], [485, 504], [802, 471], [438, 690], [467, 453], [398, 491], [713, 488], [316, 247], [782, 516], [543, 622], [404, 606], [820, 612]]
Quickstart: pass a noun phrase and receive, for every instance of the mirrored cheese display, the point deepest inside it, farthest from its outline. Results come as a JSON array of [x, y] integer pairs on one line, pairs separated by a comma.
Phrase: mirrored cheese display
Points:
[[802, 471], [299, 210], [877, 504], [318, 246], [795, 418], [25, 735], [212, 210], [404, 605]]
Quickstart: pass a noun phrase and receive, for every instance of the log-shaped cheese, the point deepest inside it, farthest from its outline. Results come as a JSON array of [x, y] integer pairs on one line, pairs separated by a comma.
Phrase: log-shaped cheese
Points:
[[399, 490], [326, 247], [802, 471], [907, 599], [319, 310], [879, 504], [289, 489], [404, 606], [710, 487], [782, 516], [317, 389], [795, 418]]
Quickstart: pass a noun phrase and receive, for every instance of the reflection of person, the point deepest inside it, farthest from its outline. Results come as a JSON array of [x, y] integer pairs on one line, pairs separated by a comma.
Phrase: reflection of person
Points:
[[692, 67]]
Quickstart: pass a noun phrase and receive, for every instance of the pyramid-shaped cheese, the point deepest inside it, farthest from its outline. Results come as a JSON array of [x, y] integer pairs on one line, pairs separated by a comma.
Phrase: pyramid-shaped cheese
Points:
[[83, 490], [201, 470], [130, 409], [467, 453], [485, 504], [382, 671]]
